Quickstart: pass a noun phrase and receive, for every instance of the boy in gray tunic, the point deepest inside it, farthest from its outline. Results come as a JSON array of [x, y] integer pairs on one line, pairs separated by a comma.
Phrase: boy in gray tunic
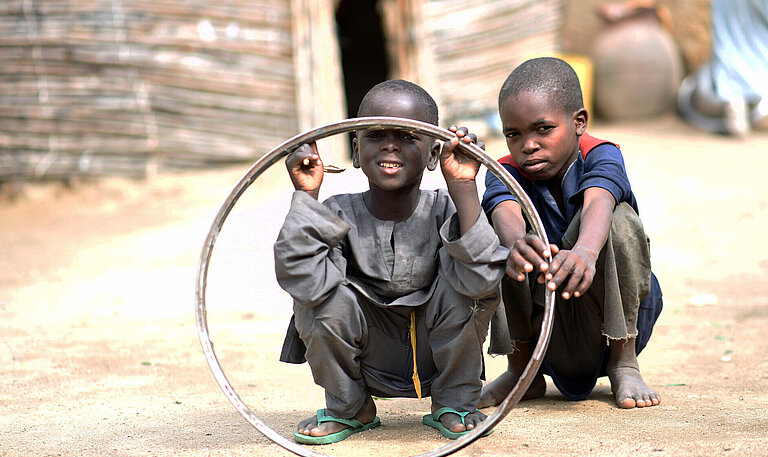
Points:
[[393, 288]]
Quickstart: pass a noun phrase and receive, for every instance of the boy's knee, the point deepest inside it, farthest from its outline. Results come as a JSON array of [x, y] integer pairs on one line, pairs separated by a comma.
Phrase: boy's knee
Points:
[[628, 234], [339, 316], [449, 306], [483, 310], [626, 224]]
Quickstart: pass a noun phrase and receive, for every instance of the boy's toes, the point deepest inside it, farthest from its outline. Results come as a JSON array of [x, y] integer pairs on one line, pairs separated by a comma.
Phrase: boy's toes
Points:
[[306, 425], [638, 400], [474, 419], [326, 428], [647, 398], [627, 403], [453, 422], [316, 431], [651, 399]]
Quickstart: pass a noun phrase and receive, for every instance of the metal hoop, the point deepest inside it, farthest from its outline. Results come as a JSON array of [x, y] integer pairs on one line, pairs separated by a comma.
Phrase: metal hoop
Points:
[[348, 125]]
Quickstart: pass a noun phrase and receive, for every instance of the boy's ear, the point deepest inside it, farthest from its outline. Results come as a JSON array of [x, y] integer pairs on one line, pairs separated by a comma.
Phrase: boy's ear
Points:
[[580, 120], [434, 156], [355, 155]]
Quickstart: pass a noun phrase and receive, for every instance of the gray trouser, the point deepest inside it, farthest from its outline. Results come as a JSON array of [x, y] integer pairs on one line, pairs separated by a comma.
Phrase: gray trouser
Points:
[[609, 309], [356, 348]]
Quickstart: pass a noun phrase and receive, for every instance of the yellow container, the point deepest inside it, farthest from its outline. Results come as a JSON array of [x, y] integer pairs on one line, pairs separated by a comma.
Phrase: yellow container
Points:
[[584, 69]]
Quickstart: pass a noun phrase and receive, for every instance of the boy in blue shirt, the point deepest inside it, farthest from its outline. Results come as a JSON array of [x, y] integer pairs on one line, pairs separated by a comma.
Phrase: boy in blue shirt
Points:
[[607, 298]]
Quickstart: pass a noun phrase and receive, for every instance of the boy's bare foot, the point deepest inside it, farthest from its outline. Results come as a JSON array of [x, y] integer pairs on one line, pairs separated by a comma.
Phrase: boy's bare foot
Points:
[[629, 389], [453, 421], [495, 392], [365, 415]]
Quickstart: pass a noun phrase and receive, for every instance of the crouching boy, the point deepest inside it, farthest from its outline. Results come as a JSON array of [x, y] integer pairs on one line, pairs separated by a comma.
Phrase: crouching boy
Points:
[[393, 288], [607, 298]]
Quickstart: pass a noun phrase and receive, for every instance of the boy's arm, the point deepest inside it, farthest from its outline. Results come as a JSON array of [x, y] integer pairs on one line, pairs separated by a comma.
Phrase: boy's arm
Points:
[[460, 172], [577, 265], [464, 196], [507, 218], [308, 261]]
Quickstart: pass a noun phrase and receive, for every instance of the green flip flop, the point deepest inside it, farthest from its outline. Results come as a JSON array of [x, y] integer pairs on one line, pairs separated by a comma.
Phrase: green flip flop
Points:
[[354, 427], [434, 422]]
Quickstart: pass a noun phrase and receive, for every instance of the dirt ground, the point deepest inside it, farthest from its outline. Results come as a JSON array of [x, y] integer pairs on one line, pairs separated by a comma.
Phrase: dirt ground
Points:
[[100, 354]]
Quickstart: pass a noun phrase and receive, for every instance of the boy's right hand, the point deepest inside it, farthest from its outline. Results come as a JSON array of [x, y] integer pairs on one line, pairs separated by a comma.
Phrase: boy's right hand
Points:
[[527, 254], [306, 169], [459, 167]]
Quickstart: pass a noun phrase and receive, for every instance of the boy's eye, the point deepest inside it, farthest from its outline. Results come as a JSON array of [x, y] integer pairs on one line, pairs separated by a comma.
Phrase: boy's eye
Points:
[[544, 128], [373, 134], [512, 135], [409, 136]]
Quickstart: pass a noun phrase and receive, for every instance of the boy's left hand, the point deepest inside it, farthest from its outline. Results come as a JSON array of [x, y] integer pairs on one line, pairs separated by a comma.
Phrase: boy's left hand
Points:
[[458, 167], [575, 268]]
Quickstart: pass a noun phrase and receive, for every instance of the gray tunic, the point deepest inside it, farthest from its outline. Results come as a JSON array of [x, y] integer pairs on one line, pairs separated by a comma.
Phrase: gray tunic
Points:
[[321, 246], [361, 276]]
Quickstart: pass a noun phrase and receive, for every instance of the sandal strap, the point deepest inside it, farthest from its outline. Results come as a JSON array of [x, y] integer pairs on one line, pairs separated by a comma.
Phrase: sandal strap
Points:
[[322, 417]]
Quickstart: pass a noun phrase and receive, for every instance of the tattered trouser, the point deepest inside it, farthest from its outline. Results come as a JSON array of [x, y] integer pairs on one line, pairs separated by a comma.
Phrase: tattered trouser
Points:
[[623, 302]]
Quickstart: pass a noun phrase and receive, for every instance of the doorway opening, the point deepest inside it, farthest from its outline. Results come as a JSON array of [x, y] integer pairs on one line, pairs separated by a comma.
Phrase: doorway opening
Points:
[[364, 59]]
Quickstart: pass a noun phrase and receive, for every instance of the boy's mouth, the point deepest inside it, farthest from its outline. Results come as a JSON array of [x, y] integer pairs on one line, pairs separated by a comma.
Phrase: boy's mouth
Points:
[[534, 164], [389, 165]]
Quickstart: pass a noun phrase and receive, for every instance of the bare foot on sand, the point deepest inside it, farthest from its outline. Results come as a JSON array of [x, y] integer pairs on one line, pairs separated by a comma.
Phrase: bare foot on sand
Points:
[[496, 391], [629, 389], [365, 415]]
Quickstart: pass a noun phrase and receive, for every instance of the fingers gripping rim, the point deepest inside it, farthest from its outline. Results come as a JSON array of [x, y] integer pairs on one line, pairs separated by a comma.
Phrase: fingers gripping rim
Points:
[[349, 125]]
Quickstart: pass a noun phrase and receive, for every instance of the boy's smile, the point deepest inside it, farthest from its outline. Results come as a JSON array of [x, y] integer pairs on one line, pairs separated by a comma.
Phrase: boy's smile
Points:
[[390, 167], [542, 139]]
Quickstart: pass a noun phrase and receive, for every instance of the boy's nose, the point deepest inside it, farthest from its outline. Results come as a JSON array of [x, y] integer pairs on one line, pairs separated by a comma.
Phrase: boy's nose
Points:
[[391, 147], [391, 143], [530, 146]]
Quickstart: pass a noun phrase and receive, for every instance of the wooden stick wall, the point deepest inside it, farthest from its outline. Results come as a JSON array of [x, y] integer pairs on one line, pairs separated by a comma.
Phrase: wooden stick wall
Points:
[[128, 86]]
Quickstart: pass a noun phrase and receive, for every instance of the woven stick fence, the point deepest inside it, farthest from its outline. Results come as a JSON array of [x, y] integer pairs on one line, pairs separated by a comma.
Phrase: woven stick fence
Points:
[[477, 44], [131, 86]]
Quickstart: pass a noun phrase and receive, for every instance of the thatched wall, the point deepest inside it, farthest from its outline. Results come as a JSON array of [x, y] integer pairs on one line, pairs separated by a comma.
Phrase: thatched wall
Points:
[[123, 86], [475, 45], [134, 86]]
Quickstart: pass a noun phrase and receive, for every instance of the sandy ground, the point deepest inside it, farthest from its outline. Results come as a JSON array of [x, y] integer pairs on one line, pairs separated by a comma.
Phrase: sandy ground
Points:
[[100, 354]]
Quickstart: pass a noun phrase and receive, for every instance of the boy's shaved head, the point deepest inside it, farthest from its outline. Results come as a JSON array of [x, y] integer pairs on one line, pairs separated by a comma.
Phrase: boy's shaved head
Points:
[[546, 75], [399, 85]]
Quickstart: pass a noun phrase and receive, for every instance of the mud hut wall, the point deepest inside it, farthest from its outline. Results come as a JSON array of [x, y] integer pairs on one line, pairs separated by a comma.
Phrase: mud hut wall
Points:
[[318, 76], [126, 86], [130, 86], [474, 46]]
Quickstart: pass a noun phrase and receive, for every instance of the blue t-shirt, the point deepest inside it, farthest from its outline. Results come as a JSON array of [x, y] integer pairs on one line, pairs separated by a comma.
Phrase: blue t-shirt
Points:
[[602, 166]]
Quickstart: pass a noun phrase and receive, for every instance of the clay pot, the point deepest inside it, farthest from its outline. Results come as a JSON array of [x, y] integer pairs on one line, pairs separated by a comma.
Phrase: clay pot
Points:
[[638, 66]]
